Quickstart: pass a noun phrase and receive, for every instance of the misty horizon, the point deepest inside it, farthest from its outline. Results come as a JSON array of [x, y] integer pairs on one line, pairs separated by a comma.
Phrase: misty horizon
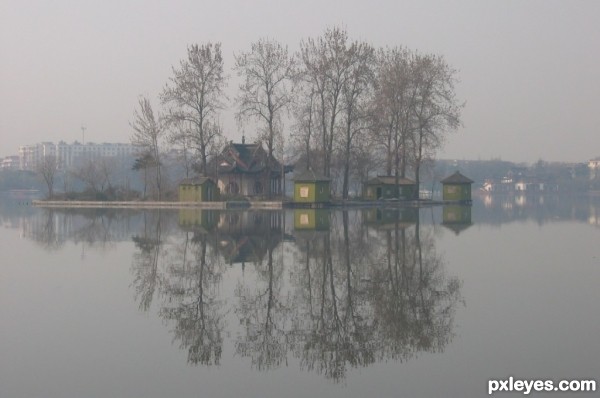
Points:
[[527, 71]]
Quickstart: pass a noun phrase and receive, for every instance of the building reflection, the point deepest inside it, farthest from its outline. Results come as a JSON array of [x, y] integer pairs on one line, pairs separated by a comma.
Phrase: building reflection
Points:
[[457, 218]]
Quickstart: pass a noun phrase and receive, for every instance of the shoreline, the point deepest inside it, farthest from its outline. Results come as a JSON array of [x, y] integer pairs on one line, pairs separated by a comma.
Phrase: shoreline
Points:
[[275, 205]]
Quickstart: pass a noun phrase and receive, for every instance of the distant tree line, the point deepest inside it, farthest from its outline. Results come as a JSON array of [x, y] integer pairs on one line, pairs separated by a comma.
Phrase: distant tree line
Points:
[[352, 110]]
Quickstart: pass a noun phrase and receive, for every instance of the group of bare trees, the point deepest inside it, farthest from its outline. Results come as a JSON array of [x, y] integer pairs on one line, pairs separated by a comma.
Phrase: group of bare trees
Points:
[[352, 109], [365, 110], [97, 175]]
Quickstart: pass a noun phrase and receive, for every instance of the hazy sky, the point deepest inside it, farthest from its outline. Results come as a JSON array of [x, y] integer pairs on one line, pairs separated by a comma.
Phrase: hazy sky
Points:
[[529, 70]]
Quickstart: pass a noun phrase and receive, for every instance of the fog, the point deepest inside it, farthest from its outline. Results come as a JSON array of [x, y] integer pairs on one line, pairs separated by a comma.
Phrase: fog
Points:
[[529, 70]]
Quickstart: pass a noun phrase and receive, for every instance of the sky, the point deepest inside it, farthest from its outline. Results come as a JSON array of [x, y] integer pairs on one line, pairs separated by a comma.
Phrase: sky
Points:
[[529, 70]]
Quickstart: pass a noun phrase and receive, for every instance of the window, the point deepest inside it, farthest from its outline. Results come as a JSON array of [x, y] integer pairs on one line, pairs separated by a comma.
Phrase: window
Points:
[[304, 192], [303, 219], [452, 189]]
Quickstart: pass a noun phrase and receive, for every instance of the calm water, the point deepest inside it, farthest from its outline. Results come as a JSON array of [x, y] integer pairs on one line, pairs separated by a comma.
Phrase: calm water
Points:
[[364, 303]]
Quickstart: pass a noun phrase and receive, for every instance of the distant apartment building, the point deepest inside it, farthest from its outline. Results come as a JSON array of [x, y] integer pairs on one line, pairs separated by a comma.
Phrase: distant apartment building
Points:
[[72, 155], [594, 166], [9, 163]]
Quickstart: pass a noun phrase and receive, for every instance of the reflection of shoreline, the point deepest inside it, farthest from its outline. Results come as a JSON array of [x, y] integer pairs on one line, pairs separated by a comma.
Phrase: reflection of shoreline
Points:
[[501, 208]]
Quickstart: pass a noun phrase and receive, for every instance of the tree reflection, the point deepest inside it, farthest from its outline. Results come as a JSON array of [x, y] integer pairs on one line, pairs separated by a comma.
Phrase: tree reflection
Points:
[[184, 273], [145, 262], [369, 288], [263, 309], [98, 228], [194, 305], [412, 297], [46, 231], [356, 306]]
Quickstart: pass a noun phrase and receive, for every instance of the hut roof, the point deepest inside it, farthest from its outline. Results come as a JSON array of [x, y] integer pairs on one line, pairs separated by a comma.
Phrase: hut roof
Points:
[[457, 178], [457, 228], [390, 180], [310, 176]]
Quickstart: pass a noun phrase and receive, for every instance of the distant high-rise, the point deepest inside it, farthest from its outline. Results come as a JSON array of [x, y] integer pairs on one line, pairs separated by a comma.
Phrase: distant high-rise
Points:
[[594, 166], [72, 155]]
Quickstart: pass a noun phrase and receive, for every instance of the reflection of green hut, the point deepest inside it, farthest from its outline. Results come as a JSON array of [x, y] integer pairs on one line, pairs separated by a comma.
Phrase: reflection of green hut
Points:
[[389, 218], [457, 218], [198, 218], [311, 219], [198, 189], [384, 187], [309, 187], [456, 187]]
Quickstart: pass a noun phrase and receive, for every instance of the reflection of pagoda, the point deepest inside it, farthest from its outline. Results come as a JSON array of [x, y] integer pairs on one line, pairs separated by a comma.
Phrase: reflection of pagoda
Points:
[[247, 236], [390, 218], [457, 218]]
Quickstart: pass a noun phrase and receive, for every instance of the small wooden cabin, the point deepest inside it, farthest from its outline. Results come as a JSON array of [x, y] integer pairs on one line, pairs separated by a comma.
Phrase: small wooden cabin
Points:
[[456, 187], [457, 217], [310, 187], [311, 219], [384, 187], [198, 189]]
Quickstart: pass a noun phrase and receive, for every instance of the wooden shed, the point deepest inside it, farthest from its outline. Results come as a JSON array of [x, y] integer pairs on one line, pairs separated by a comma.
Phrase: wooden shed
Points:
[[310, 187], [311, 219], [456, 187], [457, 217], [198, 189], [385, 187]]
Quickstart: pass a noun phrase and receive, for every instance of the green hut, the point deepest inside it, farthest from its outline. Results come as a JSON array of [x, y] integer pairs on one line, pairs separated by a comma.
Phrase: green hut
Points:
[[198, 189], [310, 187], [456, 187], [457, 218], [311, 219], [390, 218], [191, 219], [384, 187]]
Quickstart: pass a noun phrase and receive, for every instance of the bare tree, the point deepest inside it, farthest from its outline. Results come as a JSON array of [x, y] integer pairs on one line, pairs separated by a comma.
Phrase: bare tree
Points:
[[394, 101], [325, 71], [144, 162], [149, 131], [267, 70], [91, 176], [96, 174], [305, 127], [47, 168], [436, 109], [181, 135], [195, 94], [356, 92]]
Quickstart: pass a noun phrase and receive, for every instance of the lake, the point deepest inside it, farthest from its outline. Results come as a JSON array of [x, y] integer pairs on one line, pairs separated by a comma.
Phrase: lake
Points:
[[429, 302]]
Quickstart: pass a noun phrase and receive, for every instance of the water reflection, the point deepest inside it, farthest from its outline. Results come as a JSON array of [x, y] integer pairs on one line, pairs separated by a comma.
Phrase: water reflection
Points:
[[363, 296], [503, 208], [326, 290], [347, 296]]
